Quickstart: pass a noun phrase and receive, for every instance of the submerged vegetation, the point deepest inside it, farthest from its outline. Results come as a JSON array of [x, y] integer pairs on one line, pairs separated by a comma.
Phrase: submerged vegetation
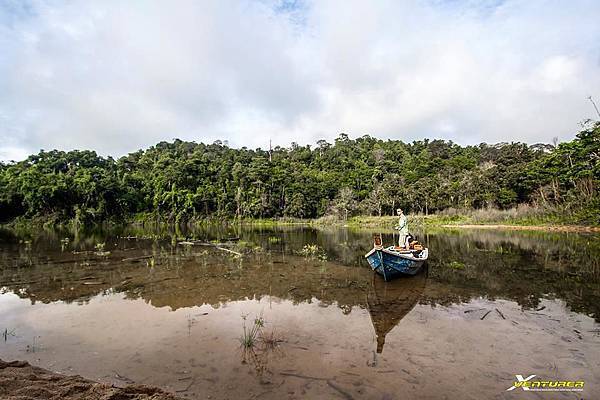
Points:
[[185, 182]]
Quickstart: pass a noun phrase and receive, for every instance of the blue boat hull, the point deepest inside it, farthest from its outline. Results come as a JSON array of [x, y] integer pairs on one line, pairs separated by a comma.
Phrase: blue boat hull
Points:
[[392, 266]]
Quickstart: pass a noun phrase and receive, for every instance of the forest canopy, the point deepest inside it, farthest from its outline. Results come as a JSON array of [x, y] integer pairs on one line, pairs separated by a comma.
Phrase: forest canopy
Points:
[[181, 181]]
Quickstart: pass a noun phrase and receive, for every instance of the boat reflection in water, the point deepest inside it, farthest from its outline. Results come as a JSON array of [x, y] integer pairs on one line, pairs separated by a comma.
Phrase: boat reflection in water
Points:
[[389, 302]]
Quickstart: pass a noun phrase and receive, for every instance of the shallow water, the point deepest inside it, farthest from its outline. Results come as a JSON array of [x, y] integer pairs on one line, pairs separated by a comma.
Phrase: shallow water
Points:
[[147, 308]]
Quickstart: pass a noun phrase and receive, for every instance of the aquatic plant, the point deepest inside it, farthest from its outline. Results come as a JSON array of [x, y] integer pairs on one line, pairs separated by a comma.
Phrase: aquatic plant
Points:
[[8, 333], [100, 250], [456, 265], [309, 250], [313, 251], [151, 262], [27, 244], [250, 334], [274, 239], [64, 243], [258, 346]]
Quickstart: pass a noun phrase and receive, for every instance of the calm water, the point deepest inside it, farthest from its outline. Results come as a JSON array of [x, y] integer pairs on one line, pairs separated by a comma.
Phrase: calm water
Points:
[[141, 306]]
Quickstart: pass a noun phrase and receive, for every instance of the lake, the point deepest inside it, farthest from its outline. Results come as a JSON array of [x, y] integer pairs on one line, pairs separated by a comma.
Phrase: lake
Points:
[[167, 308]]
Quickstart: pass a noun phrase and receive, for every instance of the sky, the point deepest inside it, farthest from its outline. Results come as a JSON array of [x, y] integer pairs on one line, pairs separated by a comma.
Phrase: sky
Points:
[[117, 76]]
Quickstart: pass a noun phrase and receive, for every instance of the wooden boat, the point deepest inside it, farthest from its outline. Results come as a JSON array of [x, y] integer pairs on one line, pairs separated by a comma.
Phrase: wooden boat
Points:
[[392, 262], [388, 303]]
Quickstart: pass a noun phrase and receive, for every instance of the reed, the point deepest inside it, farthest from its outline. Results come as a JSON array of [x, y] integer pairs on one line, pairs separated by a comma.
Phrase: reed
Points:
[[250, 333]]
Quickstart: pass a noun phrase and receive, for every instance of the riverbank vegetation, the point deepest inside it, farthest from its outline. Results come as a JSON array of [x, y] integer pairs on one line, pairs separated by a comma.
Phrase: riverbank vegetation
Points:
[[180, 182]]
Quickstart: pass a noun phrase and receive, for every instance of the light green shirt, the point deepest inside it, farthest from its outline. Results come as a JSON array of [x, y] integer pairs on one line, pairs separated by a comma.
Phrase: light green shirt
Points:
[[403, 225]]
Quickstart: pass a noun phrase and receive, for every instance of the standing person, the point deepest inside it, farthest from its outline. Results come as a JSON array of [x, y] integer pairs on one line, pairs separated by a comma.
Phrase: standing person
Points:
[[403, 229]]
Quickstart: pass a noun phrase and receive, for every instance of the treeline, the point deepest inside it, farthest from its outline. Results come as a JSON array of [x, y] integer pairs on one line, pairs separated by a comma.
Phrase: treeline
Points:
[[182, 181]]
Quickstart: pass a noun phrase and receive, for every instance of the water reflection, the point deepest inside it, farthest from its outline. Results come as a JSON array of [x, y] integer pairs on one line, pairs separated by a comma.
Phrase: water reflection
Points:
[[525, 267], [389, 302]]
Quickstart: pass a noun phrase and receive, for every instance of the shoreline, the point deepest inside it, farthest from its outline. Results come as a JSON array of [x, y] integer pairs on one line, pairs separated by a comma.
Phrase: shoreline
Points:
[[366, 222], [554, 228], [23, 381]]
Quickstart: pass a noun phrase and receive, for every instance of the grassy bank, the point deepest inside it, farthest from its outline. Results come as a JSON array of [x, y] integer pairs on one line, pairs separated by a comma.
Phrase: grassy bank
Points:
[[522, 216]]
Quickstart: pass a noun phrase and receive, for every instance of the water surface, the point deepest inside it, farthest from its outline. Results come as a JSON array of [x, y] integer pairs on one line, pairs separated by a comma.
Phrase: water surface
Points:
[[167, 308]]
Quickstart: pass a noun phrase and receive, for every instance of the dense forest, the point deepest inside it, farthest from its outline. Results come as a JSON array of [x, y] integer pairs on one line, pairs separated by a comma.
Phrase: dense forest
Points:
[[183, 181]]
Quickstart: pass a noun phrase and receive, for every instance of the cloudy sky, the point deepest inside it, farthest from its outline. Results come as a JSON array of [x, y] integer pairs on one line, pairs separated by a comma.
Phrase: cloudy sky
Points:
[[116, 76]]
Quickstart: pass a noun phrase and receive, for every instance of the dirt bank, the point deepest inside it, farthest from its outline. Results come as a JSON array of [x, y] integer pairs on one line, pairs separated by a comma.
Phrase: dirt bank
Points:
[[19, 380], [554, 228]]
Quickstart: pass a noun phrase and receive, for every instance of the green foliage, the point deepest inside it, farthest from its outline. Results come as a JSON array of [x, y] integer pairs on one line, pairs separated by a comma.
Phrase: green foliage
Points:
[[506, 198], [185, 181], [313, 251], [456, 265]]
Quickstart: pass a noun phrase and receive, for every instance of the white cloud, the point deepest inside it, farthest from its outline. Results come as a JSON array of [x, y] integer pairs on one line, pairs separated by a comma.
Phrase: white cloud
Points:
[[117, 76], [558, 73]]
